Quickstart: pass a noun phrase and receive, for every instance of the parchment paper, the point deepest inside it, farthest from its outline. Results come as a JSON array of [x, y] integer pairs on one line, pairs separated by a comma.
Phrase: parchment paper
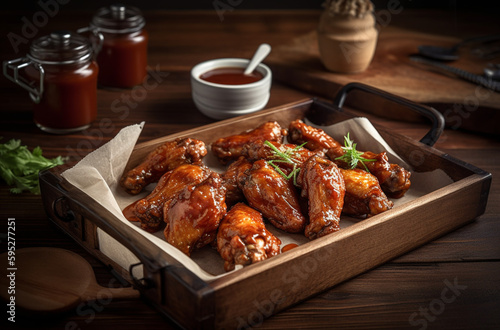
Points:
[[98, 175]]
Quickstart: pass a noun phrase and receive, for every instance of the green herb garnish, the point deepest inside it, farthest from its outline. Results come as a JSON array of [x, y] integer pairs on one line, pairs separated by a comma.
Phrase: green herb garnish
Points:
[[351, 155], [19, 167], [285, 156]]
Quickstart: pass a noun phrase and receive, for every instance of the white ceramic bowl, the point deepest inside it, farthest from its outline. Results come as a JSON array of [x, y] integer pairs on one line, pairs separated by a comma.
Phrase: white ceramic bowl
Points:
[[219, 101]]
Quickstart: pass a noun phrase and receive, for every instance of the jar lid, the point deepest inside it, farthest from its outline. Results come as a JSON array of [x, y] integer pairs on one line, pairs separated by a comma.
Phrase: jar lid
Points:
[[60, 47], [118, 18]]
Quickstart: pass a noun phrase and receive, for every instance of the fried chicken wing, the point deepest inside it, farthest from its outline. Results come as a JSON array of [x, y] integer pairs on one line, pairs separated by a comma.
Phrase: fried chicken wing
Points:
[[363, 195], [394, 179], [273, 195], [161, 160], [149, 210], [231, 178], [316, 139], [243, 239], [323, 185], [232, 147], [194, 214]]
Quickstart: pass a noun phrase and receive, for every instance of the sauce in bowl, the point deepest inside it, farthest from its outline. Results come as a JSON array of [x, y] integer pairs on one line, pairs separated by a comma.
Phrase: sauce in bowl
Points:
[[231, 76]]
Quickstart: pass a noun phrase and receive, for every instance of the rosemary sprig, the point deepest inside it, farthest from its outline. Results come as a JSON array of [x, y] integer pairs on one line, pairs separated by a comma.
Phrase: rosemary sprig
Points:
[[351, 155], [285, 156]]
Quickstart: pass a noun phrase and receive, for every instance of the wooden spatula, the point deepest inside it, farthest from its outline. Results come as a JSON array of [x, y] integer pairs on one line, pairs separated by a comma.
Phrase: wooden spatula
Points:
[[49, 280]]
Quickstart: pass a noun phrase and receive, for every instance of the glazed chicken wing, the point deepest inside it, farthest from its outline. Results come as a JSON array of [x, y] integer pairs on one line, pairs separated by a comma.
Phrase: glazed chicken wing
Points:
[[363, 195], [323, 185], [273, 195], [316, 139], [232, 147], [243, 239], [194, 214], [394, 179], [231, 178], [149, 210], [161, 160]]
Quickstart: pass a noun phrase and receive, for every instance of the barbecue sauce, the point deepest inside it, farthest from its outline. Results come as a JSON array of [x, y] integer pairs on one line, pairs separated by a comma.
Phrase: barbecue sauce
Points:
[[70, 97], [288, 247], [123, 59], [61, 76], [231, 76], [121, 41]]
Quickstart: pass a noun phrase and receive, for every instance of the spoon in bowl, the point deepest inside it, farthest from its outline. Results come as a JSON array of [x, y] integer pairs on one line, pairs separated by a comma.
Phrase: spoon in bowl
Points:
[[260, 54]]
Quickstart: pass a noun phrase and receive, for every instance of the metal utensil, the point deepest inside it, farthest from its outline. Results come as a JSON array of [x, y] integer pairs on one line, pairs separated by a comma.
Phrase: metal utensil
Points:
[[451, 53], [466, 75]]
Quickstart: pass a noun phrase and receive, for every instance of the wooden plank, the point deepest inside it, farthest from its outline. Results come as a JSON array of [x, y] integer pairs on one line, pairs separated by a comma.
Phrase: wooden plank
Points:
[[469, 243], [395, 297], [180, 40]]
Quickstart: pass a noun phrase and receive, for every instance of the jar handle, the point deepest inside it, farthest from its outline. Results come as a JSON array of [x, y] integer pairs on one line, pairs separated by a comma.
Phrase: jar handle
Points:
[[19, 63], [96, 47]]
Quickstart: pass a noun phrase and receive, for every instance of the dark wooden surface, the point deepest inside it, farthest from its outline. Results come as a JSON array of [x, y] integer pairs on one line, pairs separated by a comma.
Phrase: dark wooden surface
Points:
[[409, 292]]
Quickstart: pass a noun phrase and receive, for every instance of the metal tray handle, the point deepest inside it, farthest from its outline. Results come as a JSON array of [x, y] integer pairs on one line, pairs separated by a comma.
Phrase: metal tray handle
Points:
[[436, 118]]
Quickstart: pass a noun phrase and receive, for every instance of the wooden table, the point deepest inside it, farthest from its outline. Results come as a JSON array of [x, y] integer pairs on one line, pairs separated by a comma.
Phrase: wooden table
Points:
[[452, 282]]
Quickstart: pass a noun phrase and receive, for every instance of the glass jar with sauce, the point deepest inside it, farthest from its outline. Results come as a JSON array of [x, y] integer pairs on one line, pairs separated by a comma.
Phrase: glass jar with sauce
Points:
[[61, 77], [119, 34]]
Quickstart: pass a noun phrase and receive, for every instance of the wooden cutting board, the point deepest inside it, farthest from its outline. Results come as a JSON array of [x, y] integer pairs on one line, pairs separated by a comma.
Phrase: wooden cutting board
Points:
[[48, 280], [463, 104]]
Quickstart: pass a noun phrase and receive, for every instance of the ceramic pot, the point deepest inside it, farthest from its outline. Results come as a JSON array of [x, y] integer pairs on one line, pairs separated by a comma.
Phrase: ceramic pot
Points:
[[347, 43]]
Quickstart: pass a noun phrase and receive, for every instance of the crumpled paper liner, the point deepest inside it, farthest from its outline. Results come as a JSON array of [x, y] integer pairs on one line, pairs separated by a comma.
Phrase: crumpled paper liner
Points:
[[99, 173]]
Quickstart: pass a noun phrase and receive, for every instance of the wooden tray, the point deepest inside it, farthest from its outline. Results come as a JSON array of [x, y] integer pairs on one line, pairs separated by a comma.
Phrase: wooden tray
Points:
[[247, 296]]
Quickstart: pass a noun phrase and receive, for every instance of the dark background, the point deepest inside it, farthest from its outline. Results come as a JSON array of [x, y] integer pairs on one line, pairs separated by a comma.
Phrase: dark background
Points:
[[452, 5]]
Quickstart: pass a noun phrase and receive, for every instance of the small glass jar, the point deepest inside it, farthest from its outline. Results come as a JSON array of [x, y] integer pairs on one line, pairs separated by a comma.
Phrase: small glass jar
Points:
[[61, 77], [118, 31]]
